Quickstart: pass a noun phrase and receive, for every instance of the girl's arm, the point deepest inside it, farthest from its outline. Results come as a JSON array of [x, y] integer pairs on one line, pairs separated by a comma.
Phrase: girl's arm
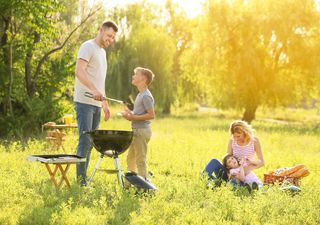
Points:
[[241, 175], [238, 174]]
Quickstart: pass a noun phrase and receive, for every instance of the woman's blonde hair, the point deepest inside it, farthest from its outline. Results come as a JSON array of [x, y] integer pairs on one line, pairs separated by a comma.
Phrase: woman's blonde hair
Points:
[[241, 127]]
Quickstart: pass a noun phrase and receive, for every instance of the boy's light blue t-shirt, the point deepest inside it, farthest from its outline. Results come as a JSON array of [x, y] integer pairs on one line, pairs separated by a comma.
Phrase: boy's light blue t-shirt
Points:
[[144, 101]]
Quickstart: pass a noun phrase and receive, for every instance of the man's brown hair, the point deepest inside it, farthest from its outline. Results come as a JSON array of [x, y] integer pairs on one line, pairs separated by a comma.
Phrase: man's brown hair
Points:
[[110, 23]]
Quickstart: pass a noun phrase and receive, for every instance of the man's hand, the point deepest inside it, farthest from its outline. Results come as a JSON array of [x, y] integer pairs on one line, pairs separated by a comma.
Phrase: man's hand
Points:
[[97, 95], [106, 110]]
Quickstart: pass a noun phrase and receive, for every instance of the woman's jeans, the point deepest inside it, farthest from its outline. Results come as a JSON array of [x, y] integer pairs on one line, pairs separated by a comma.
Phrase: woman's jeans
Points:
[[214, 166], [88, 118]]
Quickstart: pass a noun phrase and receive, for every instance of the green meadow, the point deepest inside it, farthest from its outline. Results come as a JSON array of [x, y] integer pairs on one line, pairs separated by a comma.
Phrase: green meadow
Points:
[[180, 147]]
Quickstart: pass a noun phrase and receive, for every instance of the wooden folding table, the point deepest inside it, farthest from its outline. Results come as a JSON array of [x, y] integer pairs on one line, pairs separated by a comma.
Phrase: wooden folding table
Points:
[[60, 164]]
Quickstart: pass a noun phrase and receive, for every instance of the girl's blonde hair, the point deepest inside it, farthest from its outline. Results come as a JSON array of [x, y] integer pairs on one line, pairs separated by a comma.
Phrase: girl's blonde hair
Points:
[[242, 127]]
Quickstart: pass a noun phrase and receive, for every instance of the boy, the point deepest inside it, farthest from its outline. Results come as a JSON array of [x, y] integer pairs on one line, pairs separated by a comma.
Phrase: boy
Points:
[[141, 115]]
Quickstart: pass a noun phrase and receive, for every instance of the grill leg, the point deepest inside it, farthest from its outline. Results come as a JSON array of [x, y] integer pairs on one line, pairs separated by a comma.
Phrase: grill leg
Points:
[[117, 164], [95, 169]]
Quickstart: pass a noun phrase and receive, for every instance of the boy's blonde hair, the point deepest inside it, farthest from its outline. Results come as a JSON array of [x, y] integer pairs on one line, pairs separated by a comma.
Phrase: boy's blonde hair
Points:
[[241, 127], [145, 72]]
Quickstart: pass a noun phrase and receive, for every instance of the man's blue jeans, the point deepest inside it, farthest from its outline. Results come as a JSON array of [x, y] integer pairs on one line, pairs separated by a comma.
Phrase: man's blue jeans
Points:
[[88, 118], [214, 166]]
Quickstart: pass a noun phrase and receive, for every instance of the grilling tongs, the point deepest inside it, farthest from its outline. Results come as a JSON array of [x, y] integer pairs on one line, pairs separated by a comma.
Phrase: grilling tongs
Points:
[[128, 104]]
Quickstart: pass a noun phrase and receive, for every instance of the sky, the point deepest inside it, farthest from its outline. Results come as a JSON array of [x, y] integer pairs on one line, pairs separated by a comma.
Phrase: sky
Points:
[[191, 7]]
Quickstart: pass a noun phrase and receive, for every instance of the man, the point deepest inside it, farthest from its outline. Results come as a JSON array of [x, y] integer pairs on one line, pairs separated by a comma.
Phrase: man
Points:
[[91, 70]]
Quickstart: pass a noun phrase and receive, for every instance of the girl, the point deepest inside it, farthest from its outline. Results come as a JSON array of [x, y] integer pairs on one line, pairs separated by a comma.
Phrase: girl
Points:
[[238, 170]]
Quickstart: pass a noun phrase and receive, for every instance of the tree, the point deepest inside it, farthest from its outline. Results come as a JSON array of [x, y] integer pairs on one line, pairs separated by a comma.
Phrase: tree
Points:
[[179, 27], [252, 53], [143, 42], [31, 82]]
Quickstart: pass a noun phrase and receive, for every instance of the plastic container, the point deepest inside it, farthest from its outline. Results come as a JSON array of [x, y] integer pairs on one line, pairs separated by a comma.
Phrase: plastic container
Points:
[[68, 119]]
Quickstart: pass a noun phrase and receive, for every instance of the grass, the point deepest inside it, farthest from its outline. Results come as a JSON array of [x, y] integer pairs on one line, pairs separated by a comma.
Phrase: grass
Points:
[[180, 147]]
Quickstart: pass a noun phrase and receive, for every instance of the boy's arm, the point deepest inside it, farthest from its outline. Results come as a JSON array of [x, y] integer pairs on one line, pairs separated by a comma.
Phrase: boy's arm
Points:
[[147, 116]]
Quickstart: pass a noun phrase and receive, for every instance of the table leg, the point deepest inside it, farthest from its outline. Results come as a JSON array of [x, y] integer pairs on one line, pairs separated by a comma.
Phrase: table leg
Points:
[[63, 174], [52, 174]]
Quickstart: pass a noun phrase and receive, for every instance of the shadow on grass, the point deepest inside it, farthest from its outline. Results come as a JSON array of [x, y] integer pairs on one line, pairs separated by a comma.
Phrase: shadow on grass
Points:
[[222, 122], [303, 128], [48, 201], [39, 214], [129, 202]]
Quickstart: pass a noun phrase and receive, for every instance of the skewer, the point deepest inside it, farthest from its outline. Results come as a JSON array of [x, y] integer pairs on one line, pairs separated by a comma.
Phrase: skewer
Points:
[[128, 104], [90, 95]]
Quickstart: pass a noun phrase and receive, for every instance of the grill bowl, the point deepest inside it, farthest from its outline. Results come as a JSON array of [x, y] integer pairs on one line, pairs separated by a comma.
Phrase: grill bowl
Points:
[[115, 140]]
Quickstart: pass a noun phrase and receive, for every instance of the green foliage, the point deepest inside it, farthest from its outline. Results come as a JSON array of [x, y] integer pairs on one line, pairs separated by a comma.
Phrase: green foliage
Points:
[[142, 43], [235, 54], [179, 149], [252, 53], [30, 96], [30, 115]]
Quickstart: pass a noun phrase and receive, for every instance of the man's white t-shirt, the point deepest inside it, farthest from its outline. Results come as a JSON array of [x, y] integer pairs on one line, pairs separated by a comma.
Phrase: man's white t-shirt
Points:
[[96, 69]]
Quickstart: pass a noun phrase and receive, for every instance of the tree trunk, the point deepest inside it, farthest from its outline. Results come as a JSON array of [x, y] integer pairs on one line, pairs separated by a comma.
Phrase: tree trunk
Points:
[[9, 103], [7, 59], [166, 108], [250, 112], [30, 82]]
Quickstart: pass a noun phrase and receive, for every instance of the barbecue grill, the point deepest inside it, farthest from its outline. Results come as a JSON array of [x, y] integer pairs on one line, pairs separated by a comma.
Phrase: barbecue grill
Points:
[[112, 143]]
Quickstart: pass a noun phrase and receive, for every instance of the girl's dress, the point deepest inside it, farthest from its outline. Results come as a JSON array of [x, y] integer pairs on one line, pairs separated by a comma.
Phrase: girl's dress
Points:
[[249, 178]]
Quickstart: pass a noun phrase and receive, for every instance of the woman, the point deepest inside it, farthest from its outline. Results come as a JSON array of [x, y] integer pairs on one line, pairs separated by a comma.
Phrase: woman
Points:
[[243, 145]]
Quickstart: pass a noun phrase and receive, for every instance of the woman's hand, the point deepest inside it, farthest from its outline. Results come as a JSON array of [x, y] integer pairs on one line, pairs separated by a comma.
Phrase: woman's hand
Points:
[[243, 161]]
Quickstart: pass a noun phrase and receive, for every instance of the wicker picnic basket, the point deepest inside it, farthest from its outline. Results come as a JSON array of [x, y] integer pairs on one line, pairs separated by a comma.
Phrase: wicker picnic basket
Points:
[[273, 179], [290, 175]]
